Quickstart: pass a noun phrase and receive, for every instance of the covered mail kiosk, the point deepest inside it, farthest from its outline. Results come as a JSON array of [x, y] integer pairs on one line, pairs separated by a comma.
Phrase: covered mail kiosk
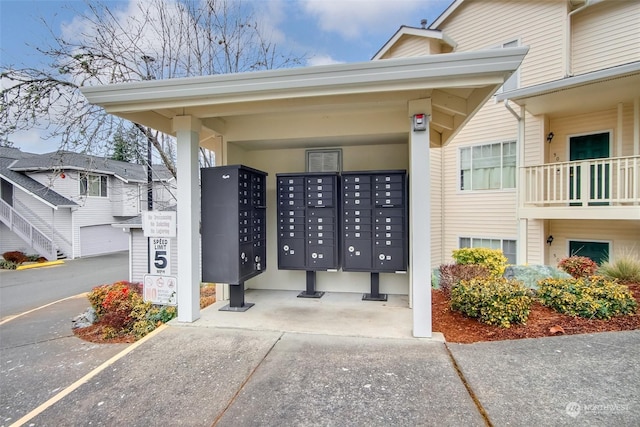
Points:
[[268, 119]]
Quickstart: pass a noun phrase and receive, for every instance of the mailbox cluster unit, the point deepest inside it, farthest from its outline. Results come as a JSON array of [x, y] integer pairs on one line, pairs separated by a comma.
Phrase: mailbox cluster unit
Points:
[[375, 229], [233, 228], [308, 222], [356, 221]]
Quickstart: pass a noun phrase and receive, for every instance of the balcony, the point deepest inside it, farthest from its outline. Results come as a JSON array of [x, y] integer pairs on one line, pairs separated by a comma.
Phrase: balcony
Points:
[[607, 188]]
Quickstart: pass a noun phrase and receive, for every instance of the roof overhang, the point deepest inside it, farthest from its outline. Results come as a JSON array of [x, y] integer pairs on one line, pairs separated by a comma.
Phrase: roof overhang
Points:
[[418, 32], [355, 102], [36, 196], [596, 91]]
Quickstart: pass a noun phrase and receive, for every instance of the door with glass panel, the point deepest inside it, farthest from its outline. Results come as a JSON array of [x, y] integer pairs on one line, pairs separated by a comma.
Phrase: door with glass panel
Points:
[[586, 147]]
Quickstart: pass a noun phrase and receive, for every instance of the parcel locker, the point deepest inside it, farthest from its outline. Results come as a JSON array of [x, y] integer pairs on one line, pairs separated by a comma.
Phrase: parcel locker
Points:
[[308, 221], [233, 223], [375, 221]]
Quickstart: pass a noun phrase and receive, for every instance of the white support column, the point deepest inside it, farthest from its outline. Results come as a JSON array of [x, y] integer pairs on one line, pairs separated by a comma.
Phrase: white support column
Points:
[[618, 152], [187, 130], [636, 127], [420, 220]]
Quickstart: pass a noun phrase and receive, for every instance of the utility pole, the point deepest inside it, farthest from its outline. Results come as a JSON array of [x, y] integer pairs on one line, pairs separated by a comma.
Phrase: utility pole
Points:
[[148, 59]]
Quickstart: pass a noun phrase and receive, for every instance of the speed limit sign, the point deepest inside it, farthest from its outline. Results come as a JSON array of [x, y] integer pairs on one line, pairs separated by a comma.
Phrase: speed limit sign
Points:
[[160, 256]]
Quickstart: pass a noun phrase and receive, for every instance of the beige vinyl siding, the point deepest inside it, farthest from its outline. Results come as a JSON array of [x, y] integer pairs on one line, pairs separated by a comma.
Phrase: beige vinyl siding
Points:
[[605, 35], [535, 140], [623, 236], [437, 256], [536, 240], [565, 127], [486, 24], [486, 214], [409, 46], [627, 130]]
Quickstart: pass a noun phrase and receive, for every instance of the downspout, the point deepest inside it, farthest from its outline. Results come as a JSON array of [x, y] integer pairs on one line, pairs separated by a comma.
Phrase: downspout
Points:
[[442, 201], [568, 71], [522, 242]]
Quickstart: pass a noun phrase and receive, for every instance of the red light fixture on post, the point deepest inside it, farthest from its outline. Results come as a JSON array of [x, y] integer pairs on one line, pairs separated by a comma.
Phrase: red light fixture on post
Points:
[[419, 122]]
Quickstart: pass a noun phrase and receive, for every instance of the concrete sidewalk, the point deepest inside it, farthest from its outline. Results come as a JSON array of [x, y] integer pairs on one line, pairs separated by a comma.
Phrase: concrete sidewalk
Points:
[[240, 369]]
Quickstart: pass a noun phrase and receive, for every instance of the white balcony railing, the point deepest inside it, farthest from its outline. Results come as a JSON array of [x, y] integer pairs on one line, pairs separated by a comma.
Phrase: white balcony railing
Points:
[[594, 182]]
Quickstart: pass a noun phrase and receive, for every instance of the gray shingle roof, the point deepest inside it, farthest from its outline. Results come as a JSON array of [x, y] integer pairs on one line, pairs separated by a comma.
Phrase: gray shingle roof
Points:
[[14, 153], [31, 185], [60, 160]]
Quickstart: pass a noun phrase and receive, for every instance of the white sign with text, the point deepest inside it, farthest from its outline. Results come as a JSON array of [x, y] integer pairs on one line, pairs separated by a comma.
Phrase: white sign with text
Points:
[[159, 224], [160, 256], [162, 290]]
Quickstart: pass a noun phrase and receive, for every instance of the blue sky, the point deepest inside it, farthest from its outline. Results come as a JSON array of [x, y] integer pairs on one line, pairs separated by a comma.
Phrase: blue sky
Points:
[[326, 31]]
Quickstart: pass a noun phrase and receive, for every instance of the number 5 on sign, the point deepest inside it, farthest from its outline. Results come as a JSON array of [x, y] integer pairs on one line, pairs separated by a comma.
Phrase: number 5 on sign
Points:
[[160, 256]]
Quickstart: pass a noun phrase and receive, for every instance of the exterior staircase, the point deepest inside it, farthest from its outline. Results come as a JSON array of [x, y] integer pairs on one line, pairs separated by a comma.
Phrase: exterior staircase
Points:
[[35, 238]]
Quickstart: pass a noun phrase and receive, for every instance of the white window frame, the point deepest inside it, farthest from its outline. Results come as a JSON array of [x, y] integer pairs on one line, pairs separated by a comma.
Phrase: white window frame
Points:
[[502, 187], [85, 178], [493, 239]]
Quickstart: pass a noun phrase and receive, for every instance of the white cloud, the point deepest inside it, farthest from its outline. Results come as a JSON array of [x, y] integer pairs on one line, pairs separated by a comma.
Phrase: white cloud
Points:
[[34, 141], [322, 60], [356, 18], [271, 16]]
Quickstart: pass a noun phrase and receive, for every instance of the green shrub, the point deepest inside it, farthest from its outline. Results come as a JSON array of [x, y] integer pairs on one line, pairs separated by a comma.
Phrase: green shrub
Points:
[[595, 297], [451, 274], [149, 319], [493, 301], [7, 265], [578, 266], [492, 259], [625, 268], [121, 310]]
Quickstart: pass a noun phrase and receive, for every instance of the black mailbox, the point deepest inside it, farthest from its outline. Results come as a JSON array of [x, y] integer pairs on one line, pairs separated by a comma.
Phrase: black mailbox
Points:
[[375, 221], [233, 223], [308, 221]]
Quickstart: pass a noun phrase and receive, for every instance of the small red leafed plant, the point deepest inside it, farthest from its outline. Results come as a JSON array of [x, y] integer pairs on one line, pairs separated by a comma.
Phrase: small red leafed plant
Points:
[[116, 304], [578, 266]]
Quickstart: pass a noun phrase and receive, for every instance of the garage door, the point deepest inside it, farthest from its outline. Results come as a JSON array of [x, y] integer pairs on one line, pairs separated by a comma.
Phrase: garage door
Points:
[[102, 239]]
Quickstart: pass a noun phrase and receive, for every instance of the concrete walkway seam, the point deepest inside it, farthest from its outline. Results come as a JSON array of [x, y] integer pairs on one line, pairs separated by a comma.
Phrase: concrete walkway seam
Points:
[[473, 396], [235, 396], [37, 411]]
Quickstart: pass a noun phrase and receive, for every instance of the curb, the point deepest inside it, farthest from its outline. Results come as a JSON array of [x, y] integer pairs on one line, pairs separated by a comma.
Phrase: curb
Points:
[[40, 264]]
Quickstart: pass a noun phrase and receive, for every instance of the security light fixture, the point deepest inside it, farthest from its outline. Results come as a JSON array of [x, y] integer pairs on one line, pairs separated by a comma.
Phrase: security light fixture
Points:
[[550, 137], [549, 240]]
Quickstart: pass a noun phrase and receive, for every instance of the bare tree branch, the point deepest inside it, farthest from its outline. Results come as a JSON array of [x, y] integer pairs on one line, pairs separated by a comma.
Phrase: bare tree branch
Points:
[[160, 39]]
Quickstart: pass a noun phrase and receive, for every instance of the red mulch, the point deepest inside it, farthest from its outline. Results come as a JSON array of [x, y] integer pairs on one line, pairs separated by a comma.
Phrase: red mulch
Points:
[[456, 327], [542, 322]]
